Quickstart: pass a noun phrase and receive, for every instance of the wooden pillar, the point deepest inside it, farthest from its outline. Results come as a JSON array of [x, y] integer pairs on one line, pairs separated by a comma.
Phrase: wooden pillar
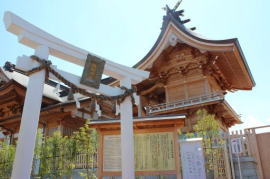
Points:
[[185, 86], [230, 154], [140, 107], [127, 140], [166, 94], [227, 158], [11, 136], [100, 155], [22, 165], [206, 86], [44, 129], [177, 153]]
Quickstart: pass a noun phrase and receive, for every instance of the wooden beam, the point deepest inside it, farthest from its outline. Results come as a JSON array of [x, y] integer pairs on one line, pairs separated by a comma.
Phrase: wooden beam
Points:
[[151, 89], [177, 122]]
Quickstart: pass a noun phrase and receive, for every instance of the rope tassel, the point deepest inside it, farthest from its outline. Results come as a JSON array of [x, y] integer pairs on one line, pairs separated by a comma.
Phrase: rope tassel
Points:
[[97, 108], [117, 109], [70, 95], [76, 98], [57, 89]]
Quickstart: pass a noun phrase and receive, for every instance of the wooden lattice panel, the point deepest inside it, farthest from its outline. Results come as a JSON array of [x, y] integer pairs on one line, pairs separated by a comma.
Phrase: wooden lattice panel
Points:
[[196, 89], [175, 93]]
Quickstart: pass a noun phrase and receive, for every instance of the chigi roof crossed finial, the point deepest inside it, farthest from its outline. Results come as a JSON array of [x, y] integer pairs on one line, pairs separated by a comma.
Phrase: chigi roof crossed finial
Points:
[[175, 14]]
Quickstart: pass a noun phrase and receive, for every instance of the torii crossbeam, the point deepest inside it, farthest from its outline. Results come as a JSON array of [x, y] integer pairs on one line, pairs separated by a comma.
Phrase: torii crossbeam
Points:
[[44, 45]]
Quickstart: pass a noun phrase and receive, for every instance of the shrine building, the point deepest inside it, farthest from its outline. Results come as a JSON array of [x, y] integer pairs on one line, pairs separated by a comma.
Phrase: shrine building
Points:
[[187, 73]]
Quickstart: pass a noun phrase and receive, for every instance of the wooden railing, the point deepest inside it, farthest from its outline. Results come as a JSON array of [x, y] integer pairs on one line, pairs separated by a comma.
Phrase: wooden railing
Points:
[[216, 96]]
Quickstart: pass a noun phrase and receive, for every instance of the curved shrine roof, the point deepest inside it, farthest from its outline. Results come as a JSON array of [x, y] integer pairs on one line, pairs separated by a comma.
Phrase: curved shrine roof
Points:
[[173, 31]]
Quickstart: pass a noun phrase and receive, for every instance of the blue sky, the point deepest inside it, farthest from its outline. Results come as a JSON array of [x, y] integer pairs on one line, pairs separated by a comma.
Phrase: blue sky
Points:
[[125, 30]]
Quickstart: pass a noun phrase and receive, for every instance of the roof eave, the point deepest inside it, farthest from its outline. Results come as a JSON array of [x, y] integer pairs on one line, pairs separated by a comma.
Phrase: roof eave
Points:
[[172, 26], [210, 45], [243, 58]]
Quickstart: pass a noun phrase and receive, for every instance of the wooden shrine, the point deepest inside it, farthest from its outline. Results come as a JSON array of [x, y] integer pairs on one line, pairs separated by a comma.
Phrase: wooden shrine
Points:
[[187, 73]]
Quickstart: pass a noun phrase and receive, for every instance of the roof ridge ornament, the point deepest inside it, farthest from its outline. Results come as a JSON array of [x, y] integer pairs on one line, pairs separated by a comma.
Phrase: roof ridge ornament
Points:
[[177, 4], [176, 14]]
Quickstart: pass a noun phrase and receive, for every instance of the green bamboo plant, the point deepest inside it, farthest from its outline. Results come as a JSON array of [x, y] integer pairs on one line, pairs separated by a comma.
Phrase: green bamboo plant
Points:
[[58, 153], [86, 141], [55, 156], [208, 128], [7, 154]]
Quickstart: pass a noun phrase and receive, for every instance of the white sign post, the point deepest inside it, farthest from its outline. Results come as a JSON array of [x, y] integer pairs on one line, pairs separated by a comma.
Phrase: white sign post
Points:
[[192, 158], [236, 144], [45, 44]]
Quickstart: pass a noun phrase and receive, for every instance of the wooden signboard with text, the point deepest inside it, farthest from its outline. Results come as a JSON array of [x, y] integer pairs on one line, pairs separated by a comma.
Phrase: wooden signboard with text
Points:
[[153, 152], [156, 150]]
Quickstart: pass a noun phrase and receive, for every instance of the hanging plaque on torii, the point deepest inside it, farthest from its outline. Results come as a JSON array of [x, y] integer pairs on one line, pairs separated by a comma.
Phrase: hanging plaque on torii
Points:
[[44, 45], [92, 72]]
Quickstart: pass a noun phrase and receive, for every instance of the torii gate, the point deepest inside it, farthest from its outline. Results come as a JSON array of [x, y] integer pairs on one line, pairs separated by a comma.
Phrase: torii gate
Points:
[[44, 45]]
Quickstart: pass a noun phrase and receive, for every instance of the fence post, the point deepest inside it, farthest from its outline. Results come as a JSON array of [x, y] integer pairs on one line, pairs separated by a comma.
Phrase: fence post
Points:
[[246, 133], [230, 154], [227, 156], [255, 151]]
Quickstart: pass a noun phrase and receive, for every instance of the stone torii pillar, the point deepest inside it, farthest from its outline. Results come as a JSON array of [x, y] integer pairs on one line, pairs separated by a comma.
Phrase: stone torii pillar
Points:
[[45, 44], [127, 139], [22, 165]]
